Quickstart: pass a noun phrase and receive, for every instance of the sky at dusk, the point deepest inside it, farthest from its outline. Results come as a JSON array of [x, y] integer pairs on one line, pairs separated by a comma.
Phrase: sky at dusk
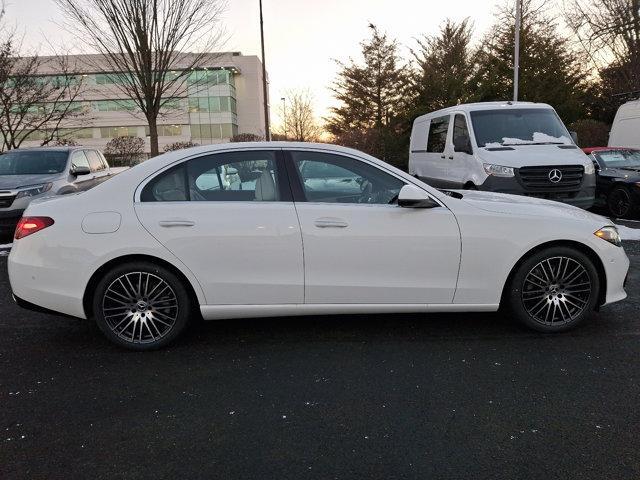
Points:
[[302, 36]]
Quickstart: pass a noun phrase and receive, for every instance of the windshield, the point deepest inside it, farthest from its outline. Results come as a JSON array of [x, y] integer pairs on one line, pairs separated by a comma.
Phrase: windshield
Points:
[[36, 162], [620, 158], [523, 126]]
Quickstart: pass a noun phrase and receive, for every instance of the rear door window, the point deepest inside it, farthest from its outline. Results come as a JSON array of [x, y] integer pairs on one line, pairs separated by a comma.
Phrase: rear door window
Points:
[[438, 129], [95, 161]]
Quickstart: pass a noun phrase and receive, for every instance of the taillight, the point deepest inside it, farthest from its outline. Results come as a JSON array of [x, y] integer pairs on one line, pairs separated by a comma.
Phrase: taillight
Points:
[[28, 225]]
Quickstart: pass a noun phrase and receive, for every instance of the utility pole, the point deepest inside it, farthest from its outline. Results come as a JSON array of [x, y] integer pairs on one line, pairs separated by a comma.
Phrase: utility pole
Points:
[[284, 115], [267, 130], [516, 62]]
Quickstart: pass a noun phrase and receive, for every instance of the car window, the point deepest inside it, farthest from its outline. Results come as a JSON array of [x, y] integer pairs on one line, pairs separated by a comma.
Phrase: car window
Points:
[[94, 160], [79, 159], [104, 160], [33, 162], [437, 139], [234, 176], [223, 177], [169, 186], [334, 178], [460, 129]]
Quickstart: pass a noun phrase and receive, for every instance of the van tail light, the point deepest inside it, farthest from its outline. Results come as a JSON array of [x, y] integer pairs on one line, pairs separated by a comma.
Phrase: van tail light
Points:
[[28, 225]]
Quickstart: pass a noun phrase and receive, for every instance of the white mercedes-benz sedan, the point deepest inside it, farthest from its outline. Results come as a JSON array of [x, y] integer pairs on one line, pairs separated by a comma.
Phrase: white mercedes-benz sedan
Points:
[[273, 229]]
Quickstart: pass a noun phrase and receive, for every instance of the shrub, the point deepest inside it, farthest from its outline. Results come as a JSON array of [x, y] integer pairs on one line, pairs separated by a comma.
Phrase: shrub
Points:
[[179, 146], [124, 151], [247, 137]]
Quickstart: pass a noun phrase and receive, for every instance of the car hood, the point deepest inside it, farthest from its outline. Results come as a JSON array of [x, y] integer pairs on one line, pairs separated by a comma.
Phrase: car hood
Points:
[[534, 155], [11, 182], [521, 205], [628, 174]]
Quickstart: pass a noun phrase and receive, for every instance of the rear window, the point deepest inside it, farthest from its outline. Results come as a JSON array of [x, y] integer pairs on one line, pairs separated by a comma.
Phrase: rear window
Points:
[[40, 162], [438, 129]]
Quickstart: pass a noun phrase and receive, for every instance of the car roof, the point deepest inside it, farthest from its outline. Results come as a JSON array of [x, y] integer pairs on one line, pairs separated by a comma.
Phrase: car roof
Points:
[[604, 149], [478, 106], [49, 149]]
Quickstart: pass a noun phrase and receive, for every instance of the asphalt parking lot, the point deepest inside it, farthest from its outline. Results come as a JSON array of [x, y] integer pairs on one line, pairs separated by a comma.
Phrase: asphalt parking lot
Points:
[[404, 396]]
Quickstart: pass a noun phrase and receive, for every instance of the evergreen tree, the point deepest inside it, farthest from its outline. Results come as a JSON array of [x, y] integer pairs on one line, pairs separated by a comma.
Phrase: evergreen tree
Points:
[[444, 68], [550, 70], [372, 96]]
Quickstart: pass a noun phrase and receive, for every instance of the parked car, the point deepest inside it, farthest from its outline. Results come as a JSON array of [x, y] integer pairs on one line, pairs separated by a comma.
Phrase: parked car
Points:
[[26, 174], [142, 253], [618, 178], [520, 148], [625, 130]]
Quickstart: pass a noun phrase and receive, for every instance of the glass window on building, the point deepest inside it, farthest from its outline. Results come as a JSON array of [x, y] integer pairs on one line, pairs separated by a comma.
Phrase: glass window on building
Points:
[[214, 104], [226, 130], [75, 133], [166, 130], [114, 132]]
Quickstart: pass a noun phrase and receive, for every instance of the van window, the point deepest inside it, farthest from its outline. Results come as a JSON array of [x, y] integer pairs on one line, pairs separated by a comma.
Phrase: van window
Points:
[[438, 134], [460, 128]]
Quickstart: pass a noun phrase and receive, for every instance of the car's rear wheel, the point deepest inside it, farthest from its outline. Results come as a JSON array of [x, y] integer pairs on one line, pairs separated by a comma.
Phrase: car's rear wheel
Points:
[[619, 202], [554, 290], [141, 306]]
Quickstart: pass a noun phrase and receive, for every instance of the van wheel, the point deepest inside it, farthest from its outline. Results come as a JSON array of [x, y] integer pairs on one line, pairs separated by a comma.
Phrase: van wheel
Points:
[[619, 202], [554, 290], [141, 306], [470, 186]]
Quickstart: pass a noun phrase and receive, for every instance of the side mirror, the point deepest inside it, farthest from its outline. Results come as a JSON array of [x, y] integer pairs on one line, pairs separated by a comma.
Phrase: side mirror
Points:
[[574, 137], [77, 170], [411, 196], [462, 144], [596, 165]]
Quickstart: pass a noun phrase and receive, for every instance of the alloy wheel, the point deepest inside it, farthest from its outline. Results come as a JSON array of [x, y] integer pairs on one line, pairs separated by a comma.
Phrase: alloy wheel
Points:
[[140, 307], [556, 291], [619, 202]]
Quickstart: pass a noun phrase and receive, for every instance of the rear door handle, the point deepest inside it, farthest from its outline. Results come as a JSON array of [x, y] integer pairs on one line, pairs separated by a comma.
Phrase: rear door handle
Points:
[[330, 222], [176, 223]]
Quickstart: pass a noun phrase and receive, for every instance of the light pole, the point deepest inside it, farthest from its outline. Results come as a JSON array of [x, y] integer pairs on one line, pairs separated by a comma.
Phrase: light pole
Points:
[[516, 62], [284, 115], [267, 130]]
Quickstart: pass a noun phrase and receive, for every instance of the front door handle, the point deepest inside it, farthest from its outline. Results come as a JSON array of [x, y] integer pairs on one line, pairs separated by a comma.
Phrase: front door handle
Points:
[[330, 222], [176, 223]]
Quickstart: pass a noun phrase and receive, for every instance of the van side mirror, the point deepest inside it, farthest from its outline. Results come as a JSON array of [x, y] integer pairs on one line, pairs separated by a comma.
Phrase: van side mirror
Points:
[[411, 196], [574, 137], [462, 143], [77, 170]]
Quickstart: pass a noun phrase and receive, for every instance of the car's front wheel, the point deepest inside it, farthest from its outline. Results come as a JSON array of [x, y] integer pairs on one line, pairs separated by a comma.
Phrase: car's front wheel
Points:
[[619, 202], [554, 290], [141, 306]]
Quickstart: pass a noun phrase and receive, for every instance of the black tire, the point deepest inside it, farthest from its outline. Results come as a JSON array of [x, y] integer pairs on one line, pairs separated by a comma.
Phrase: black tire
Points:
[[554, 299], [620, 202], [150, 301]]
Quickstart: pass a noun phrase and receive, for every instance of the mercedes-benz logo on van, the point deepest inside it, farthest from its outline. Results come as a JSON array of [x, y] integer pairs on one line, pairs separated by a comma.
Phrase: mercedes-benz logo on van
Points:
[[555, 175]]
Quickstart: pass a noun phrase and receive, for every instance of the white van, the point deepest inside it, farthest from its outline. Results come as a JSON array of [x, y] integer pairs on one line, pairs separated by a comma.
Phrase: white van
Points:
[[521, 148], [625, 131]]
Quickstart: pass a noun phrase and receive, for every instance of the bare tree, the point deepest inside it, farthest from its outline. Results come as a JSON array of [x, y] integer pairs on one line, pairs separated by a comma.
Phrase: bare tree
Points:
[[32, 104], [146, 42], [610, 31], [298, 120]]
